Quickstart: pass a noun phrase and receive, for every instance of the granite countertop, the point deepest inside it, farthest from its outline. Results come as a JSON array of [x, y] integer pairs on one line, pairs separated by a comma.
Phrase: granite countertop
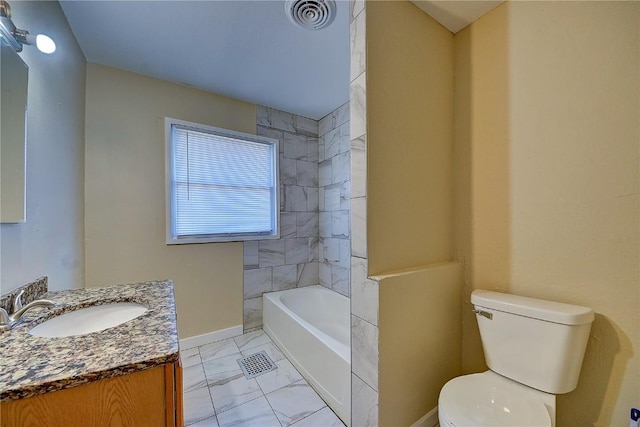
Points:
[[31, 365]]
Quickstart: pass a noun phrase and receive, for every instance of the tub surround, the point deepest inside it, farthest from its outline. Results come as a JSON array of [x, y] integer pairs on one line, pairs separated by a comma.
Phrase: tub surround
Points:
[[334, 200], [291, 261], [364, 291], [33, 365]]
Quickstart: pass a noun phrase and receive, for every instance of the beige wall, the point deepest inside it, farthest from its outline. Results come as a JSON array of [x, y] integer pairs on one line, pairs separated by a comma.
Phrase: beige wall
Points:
[[50, 242], [481, 153], [125, 195], [420, 340], [568, 145], [409, 137], [409, 212]]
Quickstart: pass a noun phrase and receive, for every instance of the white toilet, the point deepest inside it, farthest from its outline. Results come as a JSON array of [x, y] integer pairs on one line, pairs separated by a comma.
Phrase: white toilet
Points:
[[534, 350]]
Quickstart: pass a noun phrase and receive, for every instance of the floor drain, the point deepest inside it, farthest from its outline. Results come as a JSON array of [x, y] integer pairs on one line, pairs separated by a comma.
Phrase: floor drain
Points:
[[256, 364]]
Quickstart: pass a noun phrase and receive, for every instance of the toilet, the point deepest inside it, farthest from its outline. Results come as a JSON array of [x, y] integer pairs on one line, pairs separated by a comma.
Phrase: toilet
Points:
[[534, 350]]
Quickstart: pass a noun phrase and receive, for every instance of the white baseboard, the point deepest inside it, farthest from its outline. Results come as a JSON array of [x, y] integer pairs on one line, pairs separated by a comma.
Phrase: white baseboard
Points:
[[430, 419], [199, 340]]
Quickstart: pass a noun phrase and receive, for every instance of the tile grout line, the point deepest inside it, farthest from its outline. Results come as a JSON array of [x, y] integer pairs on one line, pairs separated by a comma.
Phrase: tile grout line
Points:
[[262, 391], [273, 410], [215, 413], [325, 406], [206, 380], [243, 403]]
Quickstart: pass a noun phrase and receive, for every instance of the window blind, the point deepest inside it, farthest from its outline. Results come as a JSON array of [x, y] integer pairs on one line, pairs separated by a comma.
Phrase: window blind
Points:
[[222, 185]]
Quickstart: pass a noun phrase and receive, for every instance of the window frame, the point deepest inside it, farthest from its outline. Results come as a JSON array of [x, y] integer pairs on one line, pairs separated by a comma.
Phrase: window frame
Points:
[[170, 193]]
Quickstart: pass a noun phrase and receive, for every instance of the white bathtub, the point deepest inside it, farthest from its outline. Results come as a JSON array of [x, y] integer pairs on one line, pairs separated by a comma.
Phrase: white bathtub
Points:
[[311, 326]]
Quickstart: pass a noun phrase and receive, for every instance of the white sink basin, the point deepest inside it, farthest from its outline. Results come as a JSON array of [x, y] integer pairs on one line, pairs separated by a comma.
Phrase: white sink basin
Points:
[[89, 319]]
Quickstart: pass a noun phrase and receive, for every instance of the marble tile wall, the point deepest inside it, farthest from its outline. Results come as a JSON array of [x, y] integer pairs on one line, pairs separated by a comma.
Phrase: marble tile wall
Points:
[[293, 260], [364, 291], [334, 203]]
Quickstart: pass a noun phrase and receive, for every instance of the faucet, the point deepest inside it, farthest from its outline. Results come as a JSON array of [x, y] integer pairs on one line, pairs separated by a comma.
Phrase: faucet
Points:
[[8, 321]]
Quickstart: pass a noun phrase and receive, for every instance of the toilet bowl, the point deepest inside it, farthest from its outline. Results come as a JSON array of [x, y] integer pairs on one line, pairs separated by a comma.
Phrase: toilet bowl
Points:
[[534, 350], [488, 399]]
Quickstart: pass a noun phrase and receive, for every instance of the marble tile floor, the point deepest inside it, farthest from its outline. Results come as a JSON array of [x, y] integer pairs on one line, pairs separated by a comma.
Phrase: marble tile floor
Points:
[[216, 393]]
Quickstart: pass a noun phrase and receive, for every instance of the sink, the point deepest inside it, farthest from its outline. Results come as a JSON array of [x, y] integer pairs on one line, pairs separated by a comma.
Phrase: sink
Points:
[[89, 319]]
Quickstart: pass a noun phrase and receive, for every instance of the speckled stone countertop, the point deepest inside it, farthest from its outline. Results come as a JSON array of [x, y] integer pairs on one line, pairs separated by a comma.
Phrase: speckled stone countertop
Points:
[[31, 365]]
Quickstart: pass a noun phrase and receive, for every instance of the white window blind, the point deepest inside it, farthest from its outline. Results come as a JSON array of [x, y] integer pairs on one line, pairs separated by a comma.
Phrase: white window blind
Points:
[[223, 185]]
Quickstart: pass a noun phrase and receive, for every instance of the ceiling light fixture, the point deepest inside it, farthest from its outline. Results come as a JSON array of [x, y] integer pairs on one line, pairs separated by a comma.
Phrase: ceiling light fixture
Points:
[[16, 37]]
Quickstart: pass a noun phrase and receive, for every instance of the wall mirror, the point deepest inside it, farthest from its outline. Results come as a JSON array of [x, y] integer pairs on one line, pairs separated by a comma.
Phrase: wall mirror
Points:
[[14, 75]]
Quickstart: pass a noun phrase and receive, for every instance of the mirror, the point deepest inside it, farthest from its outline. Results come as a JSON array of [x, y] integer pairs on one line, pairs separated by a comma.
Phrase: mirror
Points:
[[14, 75]]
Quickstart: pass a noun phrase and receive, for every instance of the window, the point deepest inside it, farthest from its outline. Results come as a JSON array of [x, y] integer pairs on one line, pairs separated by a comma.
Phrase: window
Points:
[[221, 185]]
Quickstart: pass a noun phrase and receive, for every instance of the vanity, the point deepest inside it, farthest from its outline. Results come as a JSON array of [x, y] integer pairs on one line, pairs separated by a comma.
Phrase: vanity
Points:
[[126, 375]]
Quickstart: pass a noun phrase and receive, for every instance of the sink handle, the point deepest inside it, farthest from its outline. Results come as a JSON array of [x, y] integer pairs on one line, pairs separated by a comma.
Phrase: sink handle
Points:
[[15, 317], [17, 301]]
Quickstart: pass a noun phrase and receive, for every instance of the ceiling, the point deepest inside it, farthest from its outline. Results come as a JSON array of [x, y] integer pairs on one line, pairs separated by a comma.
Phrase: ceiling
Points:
[[247, 50], [456, 14]]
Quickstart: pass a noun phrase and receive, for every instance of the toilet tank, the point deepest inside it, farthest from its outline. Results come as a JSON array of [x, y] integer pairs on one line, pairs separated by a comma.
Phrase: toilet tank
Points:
[[535, 342]]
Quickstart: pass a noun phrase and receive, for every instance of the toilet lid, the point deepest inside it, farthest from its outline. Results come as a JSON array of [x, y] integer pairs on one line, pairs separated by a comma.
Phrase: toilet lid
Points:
[[481, 400]]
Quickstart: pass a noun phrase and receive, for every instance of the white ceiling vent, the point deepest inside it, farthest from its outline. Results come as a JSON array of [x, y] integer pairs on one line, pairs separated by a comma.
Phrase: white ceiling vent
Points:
[[311, 14]]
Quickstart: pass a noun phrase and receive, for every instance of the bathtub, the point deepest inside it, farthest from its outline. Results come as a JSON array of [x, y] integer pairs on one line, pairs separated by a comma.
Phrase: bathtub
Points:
[[311, 326]]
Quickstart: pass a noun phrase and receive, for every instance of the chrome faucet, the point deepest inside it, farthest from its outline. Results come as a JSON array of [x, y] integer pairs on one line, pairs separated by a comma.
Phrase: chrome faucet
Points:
[[8, 321]]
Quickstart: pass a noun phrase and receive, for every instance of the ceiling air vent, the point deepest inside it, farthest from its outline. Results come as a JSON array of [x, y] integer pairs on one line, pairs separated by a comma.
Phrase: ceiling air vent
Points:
[[311, 14]]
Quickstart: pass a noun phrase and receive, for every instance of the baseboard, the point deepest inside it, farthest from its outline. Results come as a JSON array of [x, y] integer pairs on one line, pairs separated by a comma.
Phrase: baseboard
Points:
[[430, 419], [199, 340]]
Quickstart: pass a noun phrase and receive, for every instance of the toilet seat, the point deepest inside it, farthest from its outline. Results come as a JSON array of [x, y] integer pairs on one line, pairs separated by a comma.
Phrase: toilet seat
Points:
[[487, 399]]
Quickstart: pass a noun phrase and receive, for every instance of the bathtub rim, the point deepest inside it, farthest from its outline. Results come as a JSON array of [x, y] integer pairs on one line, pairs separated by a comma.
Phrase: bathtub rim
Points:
[[342, 350]]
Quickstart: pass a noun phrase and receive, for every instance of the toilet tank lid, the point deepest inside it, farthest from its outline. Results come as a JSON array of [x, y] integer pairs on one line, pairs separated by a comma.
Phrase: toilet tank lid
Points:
[[550, 311]]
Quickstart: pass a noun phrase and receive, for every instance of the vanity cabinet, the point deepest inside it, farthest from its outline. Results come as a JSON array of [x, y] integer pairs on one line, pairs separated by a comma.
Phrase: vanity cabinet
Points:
[[150, 397]]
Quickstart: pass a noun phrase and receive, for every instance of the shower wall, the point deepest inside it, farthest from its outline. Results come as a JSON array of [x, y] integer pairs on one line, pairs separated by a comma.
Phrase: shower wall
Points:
[[334, 192], [364, 291], [292, 260], [314, 210]]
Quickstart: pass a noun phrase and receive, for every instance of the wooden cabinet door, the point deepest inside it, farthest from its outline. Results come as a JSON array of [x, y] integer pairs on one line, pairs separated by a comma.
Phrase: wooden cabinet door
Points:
[[173, 392], [139, 399]]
